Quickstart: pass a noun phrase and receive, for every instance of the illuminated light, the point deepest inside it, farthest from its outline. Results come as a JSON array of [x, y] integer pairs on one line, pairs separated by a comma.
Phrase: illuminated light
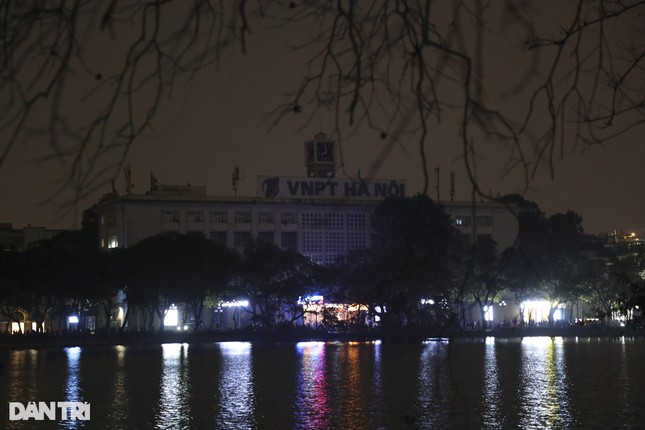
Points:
[[72, 319], [427, 302], [316, 298], [240, 303], [172, 317], [436, 340], [185, 328], [236, 348], [18, 327], [113, 242], [488, 313], [536, 310], [309, 344]]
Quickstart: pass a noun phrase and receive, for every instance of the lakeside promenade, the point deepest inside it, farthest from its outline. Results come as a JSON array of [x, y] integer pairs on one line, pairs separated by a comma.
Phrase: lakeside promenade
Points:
[[35, 341]]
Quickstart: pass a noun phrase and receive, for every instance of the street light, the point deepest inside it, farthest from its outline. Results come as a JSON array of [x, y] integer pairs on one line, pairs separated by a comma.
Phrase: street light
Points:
[[502, 305]]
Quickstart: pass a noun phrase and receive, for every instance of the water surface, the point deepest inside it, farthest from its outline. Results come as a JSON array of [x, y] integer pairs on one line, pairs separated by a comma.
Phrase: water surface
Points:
[[529, 383]]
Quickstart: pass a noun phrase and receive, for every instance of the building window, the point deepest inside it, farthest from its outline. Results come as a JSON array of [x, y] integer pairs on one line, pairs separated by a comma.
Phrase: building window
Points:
[[289, 240], [218, 237], [462, 221], [170, 216], [113, 242], [243, 217], [194, 216], [356, 240], [356, 222], [288, 218], [484, 221], [312, 242], [265, 218], [240, 239], [111, 219], [266, 236], [219, 216]]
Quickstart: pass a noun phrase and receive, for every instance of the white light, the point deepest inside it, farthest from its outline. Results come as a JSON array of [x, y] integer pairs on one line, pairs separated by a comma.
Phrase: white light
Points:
[[240, 303], [72, 319], [488, 313], [427, 302], [113, 242], [172, 317], [310, 299]]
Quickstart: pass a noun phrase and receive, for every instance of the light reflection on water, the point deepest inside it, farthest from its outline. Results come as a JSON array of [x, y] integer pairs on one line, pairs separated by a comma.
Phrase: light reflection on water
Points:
[[312, 409], [543, 397], [492, 413], [530, 383], [235, 387], [73, 390], [173, 408]]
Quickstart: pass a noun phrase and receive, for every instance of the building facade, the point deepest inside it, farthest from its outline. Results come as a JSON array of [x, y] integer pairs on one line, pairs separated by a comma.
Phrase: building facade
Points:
[[20, 239], [319, 215], [323, 229]]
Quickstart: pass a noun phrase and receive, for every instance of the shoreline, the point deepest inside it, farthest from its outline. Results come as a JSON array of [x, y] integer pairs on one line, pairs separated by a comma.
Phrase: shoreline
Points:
[[29, 341]]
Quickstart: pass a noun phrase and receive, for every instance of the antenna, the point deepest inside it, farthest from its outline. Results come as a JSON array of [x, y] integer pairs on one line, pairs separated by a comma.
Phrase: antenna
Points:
[[237, 176], [127, 172], [452, 186], [438, 174]]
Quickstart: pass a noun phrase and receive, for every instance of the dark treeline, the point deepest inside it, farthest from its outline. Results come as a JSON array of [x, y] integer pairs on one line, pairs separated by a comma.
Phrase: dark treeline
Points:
[[419, 273]]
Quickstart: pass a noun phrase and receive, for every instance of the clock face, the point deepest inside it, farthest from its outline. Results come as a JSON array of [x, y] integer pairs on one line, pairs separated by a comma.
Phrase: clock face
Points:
[[325, 151]]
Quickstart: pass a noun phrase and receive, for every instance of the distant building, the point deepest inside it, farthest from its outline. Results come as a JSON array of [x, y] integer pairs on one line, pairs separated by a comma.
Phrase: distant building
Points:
[[319, 215], [20, 239]]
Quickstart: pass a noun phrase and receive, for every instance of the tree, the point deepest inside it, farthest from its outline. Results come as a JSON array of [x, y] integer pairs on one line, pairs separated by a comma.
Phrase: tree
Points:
[[409, 260], [274, 279], [399, 67], [176, 268], [483, 268], [13, 302], [45, 278], [548, 260]]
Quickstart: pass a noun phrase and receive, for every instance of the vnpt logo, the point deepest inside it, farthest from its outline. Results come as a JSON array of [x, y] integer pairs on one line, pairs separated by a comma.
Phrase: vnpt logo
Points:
[[41, 411], [271, 187]]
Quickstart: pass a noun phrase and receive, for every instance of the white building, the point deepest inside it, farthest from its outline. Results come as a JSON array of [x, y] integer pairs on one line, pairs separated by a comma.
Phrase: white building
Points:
[[319, 215]]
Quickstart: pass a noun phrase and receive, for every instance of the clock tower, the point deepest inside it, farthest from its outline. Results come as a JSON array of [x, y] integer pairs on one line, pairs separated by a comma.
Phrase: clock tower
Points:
[[320, 157]]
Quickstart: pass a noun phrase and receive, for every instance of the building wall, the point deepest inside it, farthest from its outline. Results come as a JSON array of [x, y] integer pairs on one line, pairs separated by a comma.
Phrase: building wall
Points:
[[20, 239], [322, 230]]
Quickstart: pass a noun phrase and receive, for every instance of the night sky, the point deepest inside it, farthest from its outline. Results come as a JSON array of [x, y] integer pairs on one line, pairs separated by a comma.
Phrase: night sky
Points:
[[222, 120]]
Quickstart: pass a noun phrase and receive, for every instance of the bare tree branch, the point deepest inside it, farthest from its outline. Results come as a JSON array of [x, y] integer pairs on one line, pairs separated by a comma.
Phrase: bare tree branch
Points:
[[401, 68]]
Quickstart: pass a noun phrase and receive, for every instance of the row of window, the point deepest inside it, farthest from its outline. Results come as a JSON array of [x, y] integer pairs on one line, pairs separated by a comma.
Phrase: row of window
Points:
[[313, 221], [466, 221], [239, 217], [334, 221], [332, 243]]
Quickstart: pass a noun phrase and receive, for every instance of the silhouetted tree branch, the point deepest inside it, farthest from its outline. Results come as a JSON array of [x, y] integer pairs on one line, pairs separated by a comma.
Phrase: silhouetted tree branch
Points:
[[401, 68]]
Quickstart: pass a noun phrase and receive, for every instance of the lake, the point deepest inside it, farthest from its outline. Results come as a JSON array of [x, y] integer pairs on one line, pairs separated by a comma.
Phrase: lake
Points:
[[487, 383]]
